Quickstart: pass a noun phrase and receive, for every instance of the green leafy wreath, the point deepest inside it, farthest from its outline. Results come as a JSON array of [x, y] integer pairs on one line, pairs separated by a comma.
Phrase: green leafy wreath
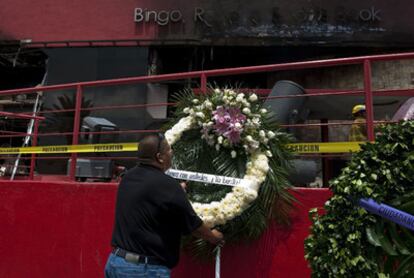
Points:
[[346, 240], [230, 134]]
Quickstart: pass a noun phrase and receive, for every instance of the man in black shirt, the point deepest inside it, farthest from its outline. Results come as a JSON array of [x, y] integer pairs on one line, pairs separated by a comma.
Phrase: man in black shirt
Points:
[[152, 213]]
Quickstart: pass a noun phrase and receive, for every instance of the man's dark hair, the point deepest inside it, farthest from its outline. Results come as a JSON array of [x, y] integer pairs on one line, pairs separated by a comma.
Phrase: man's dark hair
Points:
[[149, 146]]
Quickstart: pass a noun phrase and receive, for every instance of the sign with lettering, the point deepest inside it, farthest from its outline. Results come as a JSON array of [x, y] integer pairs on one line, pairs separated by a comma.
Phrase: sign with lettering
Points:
[[357, 22], [208, 178], [164, 17], [161, 17]]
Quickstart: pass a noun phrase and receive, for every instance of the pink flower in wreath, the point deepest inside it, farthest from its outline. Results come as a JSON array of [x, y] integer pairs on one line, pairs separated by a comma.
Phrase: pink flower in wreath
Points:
[[233, 135], [236, 116], [228, 122], [221, 117]]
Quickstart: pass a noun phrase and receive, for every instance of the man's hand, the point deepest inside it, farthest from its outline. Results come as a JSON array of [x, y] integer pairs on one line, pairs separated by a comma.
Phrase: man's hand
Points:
[[183, 185], [213, 236], [217, 238]]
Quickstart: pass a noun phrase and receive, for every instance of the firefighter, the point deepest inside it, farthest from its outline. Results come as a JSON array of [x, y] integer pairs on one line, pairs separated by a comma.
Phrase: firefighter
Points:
[[358, 130]]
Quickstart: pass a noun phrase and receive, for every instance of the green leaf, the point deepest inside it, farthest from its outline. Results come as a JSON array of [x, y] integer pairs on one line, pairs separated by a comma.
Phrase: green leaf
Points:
[[383, 239], [407, 207], [372, 237], [396, 238]]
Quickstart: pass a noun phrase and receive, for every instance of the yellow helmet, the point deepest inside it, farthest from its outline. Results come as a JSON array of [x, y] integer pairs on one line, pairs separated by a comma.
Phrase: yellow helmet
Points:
[[358, 108]]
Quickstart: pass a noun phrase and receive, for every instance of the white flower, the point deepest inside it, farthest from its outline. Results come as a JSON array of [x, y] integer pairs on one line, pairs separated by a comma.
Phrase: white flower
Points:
[[226, 100], [256, 121], [200, 115], [254, 144], [251, 196], [262, 133], [195, 101], [209, 221], [208, 104], [237, 190], [249, 138], [173, 134], [253, 97], [238, 126], [246, 104], [233, 154], [217, 90], [271, 134], [220, 139], [203, 210], [269, 154], [186, 110], [246, 111], [231, 92], [263, 111], [261, 163], [196, 206]]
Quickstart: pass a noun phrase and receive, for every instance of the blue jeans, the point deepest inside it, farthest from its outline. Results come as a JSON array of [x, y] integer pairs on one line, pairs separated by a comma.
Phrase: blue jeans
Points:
[[117, 267]]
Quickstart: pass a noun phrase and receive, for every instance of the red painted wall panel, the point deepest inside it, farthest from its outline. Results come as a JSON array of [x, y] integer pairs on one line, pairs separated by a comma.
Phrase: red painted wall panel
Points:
[[51, 229], [48, 20]]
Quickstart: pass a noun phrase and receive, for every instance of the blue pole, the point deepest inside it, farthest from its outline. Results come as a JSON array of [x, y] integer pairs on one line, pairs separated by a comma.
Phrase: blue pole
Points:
[[390, 213]]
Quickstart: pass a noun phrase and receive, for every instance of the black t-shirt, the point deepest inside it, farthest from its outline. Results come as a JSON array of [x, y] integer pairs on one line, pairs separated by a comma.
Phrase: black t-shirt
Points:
[[152, 213]]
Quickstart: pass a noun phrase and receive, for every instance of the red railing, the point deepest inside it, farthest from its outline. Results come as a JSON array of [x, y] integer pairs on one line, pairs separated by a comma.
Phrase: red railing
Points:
[[203, 76], [36, 120]]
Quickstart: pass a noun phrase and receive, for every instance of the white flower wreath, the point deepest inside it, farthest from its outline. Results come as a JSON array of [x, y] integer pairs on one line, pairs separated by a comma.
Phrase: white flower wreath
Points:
[[232, 120]]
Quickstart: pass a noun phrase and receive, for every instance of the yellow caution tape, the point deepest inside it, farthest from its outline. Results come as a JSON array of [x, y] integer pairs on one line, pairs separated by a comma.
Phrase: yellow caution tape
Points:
[[89, 148], [333, 147]]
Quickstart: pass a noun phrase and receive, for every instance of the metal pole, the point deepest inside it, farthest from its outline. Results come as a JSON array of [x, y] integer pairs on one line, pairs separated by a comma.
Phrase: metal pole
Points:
[[75, 136], [203, 83], [34, 143], [217, 268], [326, 162], [369, 100], [33, 118], [219, 72]]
